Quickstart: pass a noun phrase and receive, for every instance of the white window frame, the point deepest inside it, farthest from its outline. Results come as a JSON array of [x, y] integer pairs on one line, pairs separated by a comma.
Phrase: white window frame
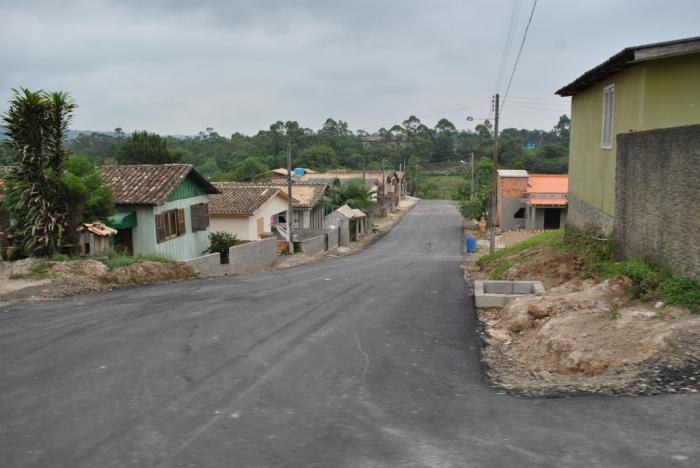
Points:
[[607, 134]]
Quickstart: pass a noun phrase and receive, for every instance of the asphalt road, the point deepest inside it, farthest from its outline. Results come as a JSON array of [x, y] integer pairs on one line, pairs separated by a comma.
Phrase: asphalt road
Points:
[[363, 361]]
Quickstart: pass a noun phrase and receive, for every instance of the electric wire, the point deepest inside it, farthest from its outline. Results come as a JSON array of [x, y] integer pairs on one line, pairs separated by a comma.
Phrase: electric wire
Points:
[[517, 59]]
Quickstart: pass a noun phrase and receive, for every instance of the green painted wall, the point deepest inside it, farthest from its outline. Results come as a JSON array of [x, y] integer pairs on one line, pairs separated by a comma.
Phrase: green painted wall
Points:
[[655, 94], [187, 189]]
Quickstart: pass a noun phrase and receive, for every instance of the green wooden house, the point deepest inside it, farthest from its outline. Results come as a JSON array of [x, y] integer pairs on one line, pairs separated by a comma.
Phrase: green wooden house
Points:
[[161, 209]]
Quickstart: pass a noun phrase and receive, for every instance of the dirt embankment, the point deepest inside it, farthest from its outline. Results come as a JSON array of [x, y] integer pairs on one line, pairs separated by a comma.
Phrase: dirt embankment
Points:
[[583, 336], [30, 280]]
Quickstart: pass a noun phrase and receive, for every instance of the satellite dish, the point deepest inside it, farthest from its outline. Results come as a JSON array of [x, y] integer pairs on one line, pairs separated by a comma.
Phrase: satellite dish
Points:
[[470, 118]]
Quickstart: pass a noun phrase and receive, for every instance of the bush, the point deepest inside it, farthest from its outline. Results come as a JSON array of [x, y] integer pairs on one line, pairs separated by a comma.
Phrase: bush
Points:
[[220, 242], [682, 291], [644, 278]]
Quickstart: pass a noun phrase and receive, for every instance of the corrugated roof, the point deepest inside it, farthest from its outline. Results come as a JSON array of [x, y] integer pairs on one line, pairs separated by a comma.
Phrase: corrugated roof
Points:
[[304, 194], [512, 173], [149, 184], [628, 57], [548, 183], [237, 200]]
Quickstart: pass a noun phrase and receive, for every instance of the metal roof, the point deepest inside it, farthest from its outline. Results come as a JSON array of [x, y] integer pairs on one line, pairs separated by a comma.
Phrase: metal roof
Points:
[[628, 57]]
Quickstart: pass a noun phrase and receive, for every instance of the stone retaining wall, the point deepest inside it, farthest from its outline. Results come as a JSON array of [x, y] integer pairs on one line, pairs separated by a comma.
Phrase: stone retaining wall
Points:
[[657, 217], [313, 245], [206, 265], [252, 257]]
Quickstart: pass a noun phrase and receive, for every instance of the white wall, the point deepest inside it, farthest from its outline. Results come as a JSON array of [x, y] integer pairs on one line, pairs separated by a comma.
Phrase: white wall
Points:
[[246, 228]]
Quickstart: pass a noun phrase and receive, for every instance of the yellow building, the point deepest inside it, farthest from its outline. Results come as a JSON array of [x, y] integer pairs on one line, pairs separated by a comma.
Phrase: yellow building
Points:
[[640, 88]]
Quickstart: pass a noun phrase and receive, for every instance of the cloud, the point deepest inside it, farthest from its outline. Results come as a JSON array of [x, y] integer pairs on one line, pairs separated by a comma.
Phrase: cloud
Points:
[[179, 66]]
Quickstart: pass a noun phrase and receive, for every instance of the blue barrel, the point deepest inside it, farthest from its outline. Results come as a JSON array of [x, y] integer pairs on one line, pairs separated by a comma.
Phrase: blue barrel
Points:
[[299, 171], [471, 244]]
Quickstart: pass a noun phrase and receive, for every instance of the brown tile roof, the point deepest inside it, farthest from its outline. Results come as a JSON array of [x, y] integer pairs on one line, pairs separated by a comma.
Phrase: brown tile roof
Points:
[[149, 184], [304, 194], [237, 200]]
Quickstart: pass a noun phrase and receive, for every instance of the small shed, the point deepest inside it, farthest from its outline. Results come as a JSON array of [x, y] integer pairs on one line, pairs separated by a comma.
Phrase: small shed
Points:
[[351, 221], [95, 237]]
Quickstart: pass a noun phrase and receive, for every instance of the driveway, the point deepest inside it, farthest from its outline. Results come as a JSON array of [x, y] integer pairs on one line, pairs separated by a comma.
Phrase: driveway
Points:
[[362, 361]]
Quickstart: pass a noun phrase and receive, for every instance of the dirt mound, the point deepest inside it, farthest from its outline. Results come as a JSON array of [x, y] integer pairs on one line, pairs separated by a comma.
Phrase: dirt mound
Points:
[[584, 337], [148, 272], [552, 267], [81, 276]]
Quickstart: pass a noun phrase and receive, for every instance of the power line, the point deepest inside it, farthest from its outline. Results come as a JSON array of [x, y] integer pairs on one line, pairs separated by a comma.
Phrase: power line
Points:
[[515, 13], [520, 51]]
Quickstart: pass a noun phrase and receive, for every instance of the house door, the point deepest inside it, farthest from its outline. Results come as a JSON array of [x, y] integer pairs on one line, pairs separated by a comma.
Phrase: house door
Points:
[[124, 241], [552, 218], [261, 226]]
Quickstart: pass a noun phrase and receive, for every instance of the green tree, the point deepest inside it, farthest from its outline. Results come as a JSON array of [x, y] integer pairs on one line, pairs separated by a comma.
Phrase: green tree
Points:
[[249, 169], [86, 197], [145, 148], [36, 124], [319, 157], [353, 193]]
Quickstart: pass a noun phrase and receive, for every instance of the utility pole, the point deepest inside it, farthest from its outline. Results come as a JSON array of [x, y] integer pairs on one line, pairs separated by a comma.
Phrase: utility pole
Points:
[[472, 185], [494, 181], [290, 212]]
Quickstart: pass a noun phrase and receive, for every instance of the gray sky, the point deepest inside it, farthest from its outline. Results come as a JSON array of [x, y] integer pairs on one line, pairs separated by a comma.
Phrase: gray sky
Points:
[[180, 66]]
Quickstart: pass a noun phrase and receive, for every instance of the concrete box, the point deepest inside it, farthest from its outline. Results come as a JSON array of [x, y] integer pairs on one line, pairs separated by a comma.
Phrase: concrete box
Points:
[[499, 293], [252, 257]]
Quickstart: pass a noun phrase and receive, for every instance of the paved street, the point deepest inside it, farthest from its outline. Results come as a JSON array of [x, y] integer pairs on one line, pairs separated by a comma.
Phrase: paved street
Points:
[[363, 361]]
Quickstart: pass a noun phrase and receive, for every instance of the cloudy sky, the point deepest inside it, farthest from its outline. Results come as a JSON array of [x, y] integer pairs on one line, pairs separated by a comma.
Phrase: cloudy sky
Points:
[[179, 66]]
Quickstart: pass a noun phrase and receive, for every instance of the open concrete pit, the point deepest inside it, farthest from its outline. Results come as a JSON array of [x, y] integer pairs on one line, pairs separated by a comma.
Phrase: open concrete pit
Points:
[[496, 293]]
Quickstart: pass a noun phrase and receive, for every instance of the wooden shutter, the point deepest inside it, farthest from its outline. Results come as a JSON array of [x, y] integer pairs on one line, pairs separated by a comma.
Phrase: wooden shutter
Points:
[[160, 227], [181, 228], [205, 207], [196, 217]]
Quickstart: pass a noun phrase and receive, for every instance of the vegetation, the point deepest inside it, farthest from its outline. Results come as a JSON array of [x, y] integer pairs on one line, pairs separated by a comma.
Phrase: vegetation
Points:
[[145, 148], [354, 193], [418, 148], [220, 242], [596, 256], [49, 193]]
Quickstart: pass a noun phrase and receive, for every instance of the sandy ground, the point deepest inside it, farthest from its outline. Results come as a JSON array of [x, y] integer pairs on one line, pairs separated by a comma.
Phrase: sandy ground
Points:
[[583, 337]]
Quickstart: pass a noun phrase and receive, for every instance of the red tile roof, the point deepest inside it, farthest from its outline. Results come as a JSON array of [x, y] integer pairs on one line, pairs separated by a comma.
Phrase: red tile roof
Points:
[[149, 184], [548, 183], [237, 200]]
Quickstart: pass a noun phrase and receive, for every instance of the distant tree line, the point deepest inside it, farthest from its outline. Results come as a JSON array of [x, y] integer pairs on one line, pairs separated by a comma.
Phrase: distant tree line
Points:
[[242, 157]]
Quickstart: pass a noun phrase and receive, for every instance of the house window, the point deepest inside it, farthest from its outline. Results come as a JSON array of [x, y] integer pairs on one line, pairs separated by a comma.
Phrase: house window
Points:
[[520, 213], [200, 217], [608, 116], [170, 224]]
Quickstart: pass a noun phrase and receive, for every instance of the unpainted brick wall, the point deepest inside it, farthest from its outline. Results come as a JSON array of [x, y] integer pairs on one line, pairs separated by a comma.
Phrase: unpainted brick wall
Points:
[[657, 198]]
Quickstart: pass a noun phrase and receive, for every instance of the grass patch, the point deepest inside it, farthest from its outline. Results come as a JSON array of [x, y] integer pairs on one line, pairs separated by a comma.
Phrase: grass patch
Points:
[[504, 266], [553, 238], [39, 271], [681, 290], [115, 260]]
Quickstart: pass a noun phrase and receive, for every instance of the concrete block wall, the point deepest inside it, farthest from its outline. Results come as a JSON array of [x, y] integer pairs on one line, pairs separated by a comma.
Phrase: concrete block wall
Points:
[[582, 215], [313, 245], [657, 215], [343, 223], [206, 265], [332, 238], [252, 257]]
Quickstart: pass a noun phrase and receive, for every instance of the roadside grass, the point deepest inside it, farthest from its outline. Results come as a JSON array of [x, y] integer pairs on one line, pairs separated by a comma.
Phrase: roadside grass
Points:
[[645, 281], [554, 239]]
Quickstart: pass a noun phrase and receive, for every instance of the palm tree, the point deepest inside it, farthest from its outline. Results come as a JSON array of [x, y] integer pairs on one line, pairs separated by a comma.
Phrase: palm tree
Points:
[[353, 193]]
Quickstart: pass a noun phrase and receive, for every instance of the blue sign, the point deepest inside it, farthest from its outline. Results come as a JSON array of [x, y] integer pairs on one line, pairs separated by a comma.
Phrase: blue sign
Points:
[[529, 145]]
